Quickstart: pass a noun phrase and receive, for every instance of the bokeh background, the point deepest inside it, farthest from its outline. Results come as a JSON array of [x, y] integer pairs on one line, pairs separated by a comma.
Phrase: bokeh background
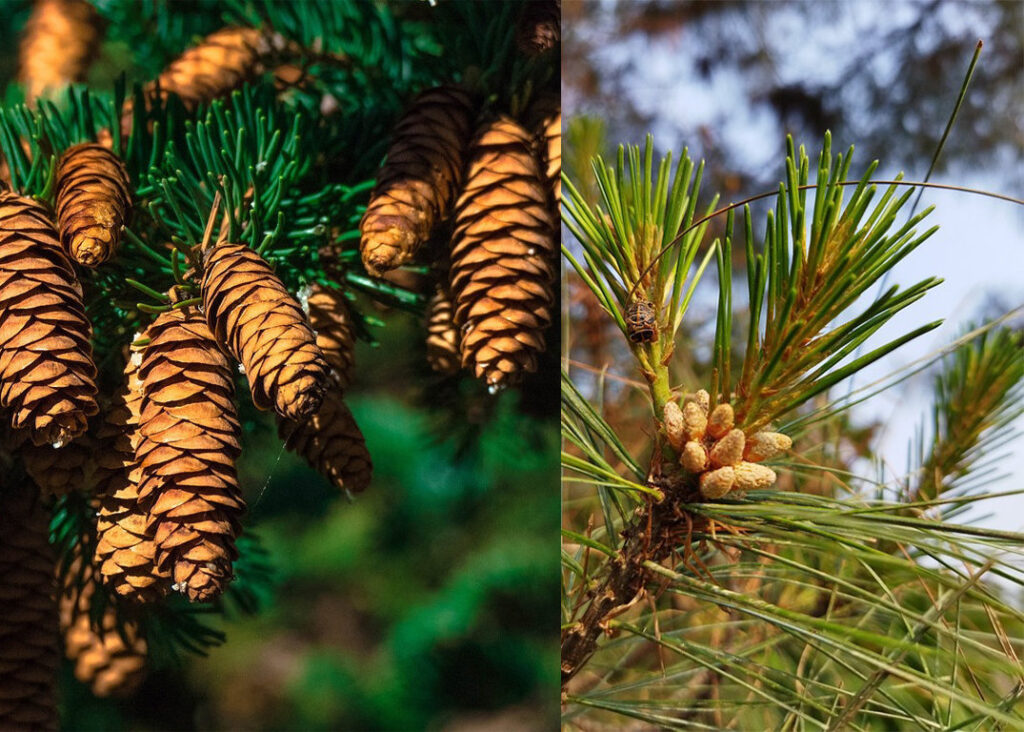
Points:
[[728, 80], [426, 603]]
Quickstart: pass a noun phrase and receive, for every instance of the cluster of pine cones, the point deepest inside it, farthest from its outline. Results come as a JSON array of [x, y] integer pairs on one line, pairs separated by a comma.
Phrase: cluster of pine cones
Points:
[[157, 458], [492, 189]]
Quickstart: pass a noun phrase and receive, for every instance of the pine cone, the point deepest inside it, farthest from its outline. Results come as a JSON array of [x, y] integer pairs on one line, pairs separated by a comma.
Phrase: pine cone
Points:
[[331, 442], [417, 185], [331, 319], [46, 366], [262, 325], [222, 62], [442, 335], [58, 471], [548, 127], [59, 42], [502, 256], [125, 550], [188, 444], [219, 64], [110, 658], [540, 26], [29, 653], [93, 200]]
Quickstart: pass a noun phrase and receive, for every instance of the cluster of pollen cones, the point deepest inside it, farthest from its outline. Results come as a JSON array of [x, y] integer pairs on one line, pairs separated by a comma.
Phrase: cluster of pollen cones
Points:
[[712, 447]]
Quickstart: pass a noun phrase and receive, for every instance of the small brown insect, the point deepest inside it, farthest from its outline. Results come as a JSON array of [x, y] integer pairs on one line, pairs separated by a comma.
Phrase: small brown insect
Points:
[[641, 321]]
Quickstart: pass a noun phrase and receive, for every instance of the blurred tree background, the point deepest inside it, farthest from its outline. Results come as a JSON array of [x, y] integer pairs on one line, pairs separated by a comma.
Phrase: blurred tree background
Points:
[[427, 601], [729, 79]]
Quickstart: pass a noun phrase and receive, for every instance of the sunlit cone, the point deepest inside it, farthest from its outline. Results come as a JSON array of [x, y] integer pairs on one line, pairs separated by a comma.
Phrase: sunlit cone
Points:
[[93, 200], [109, 657], [442, 334], [29, 651], [502, 259], [187, 447], [417, 185], [125, 550], [46, 367], [331, 442], [331, 320], [540, 26], [264, 327], [58, 43]]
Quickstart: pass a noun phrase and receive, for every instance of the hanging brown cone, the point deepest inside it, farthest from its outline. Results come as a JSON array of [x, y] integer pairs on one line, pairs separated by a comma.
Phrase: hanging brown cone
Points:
[[331, 442], [540, 26], [416, 187], [125, 550], [331, 319], [264, 327], [59, 41], [188, 444], [46, 368], [219, 64], [502, 259], [110, 658], [58, 471], [29, 652], [93, 200], [442, 334], [546, 120], [115, 451]]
